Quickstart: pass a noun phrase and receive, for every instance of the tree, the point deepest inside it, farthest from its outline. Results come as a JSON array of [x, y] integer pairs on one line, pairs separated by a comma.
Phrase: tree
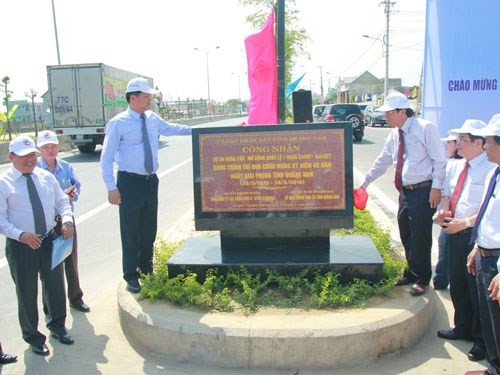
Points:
[[5, 81], [295, 36]]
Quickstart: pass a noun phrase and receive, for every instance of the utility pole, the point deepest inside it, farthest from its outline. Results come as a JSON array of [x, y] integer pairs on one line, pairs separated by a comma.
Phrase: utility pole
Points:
[[387, 9], [281, 59]]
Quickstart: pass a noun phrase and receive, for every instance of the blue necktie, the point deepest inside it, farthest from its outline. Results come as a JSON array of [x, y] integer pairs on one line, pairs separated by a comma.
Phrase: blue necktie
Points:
[[36, 205], [487, 197], [148, 155]]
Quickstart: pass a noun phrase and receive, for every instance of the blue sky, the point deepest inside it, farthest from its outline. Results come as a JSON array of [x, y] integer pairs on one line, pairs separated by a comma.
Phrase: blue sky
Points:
[[157, 38]]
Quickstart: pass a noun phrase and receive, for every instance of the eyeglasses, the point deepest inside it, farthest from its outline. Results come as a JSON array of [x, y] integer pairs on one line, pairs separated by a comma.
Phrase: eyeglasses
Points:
[[392, 112]]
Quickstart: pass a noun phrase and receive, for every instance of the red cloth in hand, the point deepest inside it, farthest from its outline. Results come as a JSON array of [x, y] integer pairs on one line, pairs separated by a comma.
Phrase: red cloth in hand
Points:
[[360, 198]]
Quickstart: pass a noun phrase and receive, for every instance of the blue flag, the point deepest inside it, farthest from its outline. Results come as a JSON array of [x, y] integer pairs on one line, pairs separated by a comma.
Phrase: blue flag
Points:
[[292, 86]]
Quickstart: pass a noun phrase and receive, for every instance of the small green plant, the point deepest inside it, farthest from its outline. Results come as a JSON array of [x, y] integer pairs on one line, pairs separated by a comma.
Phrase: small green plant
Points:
[[239, 289]]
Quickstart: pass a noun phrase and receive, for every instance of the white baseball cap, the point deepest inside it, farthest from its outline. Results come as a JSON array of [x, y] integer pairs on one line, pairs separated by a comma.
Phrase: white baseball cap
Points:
[[22, 146], [468, 126], [46, 137], [495, 118], [140, 84], [492, 129], [395, 100], [450, 137]]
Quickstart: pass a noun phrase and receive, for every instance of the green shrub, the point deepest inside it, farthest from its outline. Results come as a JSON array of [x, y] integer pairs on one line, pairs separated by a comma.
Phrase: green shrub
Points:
[[239, 289]]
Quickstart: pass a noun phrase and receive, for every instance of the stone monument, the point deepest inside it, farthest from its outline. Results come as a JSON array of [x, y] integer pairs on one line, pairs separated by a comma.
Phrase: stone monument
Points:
[[274, 192]]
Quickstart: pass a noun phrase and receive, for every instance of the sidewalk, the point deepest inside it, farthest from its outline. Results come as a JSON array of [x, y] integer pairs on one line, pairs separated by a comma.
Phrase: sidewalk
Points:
[[102, 348]]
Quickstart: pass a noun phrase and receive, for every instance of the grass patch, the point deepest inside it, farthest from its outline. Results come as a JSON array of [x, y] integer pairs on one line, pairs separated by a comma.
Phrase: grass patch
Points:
[[240, 290]]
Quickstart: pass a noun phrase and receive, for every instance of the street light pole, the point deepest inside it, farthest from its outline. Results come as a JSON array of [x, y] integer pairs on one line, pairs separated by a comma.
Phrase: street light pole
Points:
[[55, 31], [385, 46], [31, 94], [207, 51]]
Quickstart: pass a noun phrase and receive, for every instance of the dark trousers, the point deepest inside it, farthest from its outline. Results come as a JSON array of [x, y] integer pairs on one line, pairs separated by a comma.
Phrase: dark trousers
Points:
[[463, 288], [75, 292], [442, 271], [486, 269], [138, 223], [25, 264], [415, 230]]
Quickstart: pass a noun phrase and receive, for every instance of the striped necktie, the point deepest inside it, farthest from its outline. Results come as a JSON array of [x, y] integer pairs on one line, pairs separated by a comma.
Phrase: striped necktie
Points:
[[458, 189]]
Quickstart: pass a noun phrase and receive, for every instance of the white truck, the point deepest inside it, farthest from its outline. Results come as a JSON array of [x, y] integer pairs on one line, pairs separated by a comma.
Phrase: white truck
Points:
[[82, 98]]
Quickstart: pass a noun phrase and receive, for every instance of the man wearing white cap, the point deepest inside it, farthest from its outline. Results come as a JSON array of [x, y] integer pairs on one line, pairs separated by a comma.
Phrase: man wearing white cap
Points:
[[132, 142], [29, 198], [414, 149], [484, 260], [48, 144], [460, 203]]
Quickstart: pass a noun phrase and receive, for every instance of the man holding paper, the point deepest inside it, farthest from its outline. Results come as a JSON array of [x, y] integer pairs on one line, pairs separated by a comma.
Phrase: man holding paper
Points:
[[29, 199], [48, 144]]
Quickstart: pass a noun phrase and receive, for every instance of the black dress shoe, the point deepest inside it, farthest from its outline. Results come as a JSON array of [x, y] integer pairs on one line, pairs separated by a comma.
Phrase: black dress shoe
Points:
[[476, 353], [450, 334], [40, 349], [63, 338], [83, 307], [7, 358], [133, 286]]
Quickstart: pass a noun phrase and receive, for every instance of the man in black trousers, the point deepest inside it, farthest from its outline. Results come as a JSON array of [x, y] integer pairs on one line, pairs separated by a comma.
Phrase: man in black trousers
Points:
[[132, 142], [29, 198]]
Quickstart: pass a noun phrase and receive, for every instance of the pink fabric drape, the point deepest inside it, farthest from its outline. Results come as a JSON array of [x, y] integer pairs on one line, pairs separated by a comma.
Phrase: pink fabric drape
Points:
[[262, 75]]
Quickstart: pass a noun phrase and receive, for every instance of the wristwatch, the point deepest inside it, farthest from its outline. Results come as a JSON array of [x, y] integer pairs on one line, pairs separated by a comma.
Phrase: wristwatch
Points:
[[468, 224]]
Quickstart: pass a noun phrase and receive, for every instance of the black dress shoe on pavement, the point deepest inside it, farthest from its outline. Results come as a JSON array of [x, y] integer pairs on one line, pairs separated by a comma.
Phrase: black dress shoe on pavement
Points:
[[133, 286], [450, 334], [476, 353], [63, 338], [83, 307], [7, 358], [417, 290], [40, 349]]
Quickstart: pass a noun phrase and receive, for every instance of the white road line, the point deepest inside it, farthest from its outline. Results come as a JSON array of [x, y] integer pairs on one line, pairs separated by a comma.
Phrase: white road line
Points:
[[80, 219]]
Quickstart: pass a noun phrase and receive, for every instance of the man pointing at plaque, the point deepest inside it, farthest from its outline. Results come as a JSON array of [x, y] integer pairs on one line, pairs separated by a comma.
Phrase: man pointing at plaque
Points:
[[132, 142]]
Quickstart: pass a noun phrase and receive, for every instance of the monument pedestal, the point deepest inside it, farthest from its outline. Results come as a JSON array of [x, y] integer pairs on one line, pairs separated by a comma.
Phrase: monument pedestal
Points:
[[349, 256]]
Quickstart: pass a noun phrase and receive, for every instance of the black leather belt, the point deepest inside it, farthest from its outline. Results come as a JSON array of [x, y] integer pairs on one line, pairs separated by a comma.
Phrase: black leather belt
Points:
[[418, 186], [488, 252], [141, 176], [47, 235]]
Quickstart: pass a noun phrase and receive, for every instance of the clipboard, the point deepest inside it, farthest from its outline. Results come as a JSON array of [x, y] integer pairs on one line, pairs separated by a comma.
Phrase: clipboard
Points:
[[61, 248]]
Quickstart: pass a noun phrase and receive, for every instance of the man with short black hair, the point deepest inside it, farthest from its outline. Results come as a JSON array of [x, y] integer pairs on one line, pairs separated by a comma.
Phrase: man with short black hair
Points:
[[132, 142], [415, 150]]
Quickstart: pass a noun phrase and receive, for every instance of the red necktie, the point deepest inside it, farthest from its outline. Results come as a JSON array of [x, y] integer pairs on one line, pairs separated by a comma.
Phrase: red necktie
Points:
[[458, 188], [398, 177]]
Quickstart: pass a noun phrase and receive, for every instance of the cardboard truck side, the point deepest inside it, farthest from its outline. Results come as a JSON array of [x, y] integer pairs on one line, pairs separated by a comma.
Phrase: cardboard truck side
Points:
[[83, 98]]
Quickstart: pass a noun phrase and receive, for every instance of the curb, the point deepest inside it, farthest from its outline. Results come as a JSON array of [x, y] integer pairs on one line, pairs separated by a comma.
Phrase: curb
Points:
[[277, 338]]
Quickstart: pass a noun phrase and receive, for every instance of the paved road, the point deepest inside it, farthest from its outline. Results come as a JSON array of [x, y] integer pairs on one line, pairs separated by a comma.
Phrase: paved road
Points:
[[101, 346]]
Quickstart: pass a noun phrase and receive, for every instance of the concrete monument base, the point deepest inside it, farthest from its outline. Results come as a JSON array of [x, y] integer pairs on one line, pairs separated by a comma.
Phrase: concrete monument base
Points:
[[349, 256]]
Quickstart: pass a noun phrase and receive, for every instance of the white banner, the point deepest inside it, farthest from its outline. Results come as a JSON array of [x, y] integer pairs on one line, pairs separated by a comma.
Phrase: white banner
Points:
[[461, 62]]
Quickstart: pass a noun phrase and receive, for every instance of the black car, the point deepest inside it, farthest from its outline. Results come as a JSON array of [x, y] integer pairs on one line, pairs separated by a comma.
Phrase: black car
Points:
[[346, 112]]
